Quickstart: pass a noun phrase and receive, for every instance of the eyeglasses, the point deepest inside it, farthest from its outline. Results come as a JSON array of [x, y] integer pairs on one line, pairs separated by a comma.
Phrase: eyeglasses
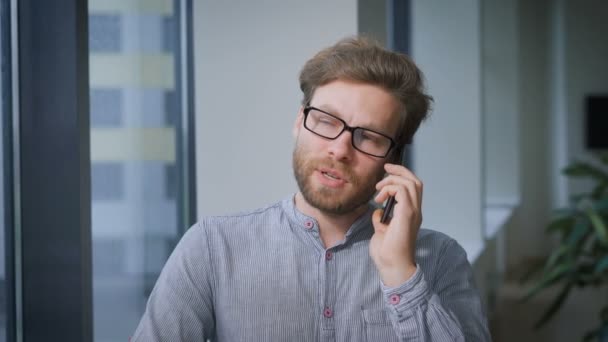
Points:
[[364, 140]]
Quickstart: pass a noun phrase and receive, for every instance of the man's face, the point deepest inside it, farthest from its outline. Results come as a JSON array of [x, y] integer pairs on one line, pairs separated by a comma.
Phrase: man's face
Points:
[[332, 175]]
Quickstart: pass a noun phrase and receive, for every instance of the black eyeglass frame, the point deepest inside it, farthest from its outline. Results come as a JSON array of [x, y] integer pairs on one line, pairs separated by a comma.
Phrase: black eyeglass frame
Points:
[[351, 129]]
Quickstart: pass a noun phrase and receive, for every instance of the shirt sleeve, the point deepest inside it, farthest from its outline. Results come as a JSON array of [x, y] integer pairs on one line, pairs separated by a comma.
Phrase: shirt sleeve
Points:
[[449, 310], [180, 307]]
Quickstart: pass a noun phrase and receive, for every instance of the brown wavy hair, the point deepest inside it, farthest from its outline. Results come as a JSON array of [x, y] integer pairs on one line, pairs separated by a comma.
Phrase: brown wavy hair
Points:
[[363, 60]]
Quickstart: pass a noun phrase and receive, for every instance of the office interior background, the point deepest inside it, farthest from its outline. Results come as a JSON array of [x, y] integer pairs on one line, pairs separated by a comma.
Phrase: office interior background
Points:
[[124, 121]]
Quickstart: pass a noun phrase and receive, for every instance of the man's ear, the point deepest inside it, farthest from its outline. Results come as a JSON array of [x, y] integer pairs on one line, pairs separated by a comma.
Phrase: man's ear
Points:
[[298, 123]]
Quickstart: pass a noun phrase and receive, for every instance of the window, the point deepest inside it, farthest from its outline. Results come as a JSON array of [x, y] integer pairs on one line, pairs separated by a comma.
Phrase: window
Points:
[[138, 154]]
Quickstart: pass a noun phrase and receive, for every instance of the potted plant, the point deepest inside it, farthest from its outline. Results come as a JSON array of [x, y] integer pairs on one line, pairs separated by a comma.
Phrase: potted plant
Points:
[[581, 257]]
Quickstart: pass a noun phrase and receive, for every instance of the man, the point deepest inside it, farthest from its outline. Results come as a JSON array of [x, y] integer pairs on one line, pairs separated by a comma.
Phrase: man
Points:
[[320, 265]]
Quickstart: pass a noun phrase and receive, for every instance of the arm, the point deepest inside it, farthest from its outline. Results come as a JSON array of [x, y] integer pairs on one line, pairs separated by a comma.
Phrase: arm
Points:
[[448, 311], [180, 307]]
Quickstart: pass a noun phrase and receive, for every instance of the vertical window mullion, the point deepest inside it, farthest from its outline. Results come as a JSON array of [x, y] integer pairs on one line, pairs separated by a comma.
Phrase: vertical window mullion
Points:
[[55, 170]]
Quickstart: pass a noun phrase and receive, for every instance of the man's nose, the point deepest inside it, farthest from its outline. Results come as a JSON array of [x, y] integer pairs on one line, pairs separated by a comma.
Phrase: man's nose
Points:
[[342, 148]]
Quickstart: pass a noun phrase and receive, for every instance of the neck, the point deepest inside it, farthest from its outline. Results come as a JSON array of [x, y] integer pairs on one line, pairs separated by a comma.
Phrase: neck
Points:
[[332, 227]]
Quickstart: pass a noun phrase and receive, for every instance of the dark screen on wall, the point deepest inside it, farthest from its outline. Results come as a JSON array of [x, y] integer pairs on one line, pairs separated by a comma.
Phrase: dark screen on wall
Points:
[[597, 122]]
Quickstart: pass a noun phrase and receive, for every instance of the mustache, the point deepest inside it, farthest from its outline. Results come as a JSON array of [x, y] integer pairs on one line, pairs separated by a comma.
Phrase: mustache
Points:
[[346, 171]]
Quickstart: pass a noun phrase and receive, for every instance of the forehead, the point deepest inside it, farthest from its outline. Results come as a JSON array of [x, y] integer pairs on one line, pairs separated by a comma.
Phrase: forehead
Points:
[[359, 104]]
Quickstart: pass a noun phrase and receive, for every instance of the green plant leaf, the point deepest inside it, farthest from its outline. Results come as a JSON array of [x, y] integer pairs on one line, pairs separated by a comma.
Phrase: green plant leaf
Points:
[[548, 279], [600, 227], [601, 205], [599, 190], [592, 248], [560, 224], [585, 170], [602, 265], [581, 227], [563, 212], [556, 255], [555, 306]]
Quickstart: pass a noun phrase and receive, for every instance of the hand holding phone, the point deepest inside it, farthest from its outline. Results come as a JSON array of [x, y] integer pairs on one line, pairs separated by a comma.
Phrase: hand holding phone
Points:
[[393, 245]]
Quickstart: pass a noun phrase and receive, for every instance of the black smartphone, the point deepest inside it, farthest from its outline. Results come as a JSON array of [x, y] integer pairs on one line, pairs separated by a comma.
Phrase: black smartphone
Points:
[[390, 203], [388, 209]]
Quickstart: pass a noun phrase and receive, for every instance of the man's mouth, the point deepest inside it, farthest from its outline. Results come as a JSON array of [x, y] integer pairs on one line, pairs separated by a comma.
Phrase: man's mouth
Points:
[[330, 175]]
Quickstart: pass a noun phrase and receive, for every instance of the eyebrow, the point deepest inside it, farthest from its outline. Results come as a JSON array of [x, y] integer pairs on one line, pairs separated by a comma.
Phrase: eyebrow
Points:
[[328, 108], [331, 110]]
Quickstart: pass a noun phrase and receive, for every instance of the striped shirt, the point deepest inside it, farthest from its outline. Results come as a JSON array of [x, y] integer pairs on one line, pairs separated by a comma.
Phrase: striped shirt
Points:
[[265, 275]]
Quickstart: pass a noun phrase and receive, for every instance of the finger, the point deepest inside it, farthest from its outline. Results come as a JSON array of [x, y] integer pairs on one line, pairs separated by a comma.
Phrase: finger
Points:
[[400, 170], [393, 179], [414, 191], [379, 227], [403, 214], [402, 197], [383, 194], [404, 201]]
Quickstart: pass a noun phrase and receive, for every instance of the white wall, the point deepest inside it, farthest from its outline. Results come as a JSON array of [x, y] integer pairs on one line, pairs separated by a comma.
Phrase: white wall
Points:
[[500, 102], [561, 57], [586, 54], [525, 232], [447, 149], [372, 19], [578, 68], [449, 153], [564, 53], [247, 57]]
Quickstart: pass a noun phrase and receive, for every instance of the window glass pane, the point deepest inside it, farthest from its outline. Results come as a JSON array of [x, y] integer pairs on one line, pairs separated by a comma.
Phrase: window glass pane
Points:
[[135, 112], [106, 107], [104, 32]]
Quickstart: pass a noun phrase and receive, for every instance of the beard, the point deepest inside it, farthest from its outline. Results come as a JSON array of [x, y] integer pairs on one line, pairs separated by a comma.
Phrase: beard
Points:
[[357, 191]]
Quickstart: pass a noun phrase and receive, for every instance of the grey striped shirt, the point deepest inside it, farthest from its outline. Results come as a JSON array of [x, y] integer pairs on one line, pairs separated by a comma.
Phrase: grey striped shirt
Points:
[[266, 276]]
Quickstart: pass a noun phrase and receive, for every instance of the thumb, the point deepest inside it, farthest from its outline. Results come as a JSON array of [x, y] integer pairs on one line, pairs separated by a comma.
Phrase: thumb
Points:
[[379, 227]]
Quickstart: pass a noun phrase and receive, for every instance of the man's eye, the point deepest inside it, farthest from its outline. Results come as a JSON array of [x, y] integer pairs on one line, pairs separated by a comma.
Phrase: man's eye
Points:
[[367, 136], [327, 121]]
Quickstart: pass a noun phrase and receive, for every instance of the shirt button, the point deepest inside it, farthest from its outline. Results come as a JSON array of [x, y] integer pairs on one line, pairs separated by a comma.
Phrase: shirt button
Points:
[[328, 255], [327, 312], [394, 299], [308, 224]]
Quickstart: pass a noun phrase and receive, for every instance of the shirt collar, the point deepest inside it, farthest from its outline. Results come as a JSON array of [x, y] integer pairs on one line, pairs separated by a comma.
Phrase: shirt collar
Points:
[[306, 222]]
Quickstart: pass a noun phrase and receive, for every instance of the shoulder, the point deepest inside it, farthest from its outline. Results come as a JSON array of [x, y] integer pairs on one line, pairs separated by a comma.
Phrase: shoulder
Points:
[[241, 222], [429, 236], [437, 245]]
